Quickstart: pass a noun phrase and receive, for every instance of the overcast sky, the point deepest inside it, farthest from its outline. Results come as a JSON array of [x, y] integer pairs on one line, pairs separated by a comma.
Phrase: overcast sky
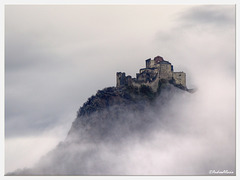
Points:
[[58, 56]]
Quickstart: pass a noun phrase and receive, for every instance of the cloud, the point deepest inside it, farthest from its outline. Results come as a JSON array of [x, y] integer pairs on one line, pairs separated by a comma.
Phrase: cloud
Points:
[[196, 48], [58, 56], [218, 16], [25, 151], [186, 135]]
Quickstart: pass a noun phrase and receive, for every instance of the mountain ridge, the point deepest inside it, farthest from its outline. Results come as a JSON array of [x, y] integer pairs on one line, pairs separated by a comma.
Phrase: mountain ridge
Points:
[[109, 119], [100, 111]]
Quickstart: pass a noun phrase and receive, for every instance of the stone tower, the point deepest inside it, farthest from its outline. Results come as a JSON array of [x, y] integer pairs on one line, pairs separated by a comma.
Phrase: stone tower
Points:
[[121, 79]]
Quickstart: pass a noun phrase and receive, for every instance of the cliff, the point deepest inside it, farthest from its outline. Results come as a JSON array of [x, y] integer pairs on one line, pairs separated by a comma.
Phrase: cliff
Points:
[[104, 113]]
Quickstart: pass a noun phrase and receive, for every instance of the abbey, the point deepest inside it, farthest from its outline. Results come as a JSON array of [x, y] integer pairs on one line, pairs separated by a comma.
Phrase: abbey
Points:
[[156, 70]]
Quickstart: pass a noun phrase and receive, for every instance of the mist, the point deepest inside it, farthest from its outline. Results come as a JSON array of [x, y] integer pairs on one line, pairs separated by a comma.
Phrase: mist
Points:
[[182, 134]]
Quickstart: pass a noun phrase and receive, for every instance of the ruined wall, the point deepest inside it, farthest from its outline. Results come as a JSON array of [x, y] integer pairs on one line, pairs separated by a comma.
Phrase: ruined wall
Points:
[[165, 71], [180, 78], [153, 84], [121, 79], [129, 80], [150, 63], [155, 70], [142, 70], [147, 75]]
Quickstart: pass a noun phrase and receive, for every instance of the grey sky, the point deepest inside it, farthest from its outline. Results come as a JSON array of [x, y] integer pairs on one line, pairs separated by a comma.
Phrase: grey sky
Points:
[[58, 56], [220, 16]]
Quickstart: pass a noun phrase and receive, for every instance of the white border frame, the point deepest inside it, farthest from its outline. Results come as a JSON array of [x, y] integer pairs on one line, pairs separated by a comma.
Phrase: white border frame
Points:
[[113, 2]]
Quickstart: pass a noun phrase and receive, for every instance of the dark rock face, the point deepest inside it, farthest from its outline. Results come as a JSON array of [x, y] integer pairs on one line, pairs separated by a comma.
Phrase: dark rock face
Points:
[[104, 115], [114, 113]]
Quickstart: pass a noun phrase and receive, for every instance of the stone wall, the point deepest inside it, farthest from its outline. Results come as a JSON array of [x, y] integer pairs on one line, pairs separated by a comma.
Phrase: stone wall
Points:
[[155, 70], [121, 79], [149, 63], [153, 84], [165, 71], [180, 78], [147, 75]]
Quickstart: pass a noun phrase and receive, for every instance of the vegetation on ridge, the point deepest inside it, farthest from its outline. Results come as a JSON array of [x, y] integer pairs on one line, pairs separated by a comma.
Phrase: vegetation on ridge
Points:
[[124, 95]]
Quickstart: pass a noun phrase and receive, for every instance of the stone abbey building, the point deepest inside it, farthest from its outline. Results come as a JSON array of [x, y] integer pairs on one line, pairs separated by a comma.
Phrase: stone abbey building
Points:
[[156, 70]]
